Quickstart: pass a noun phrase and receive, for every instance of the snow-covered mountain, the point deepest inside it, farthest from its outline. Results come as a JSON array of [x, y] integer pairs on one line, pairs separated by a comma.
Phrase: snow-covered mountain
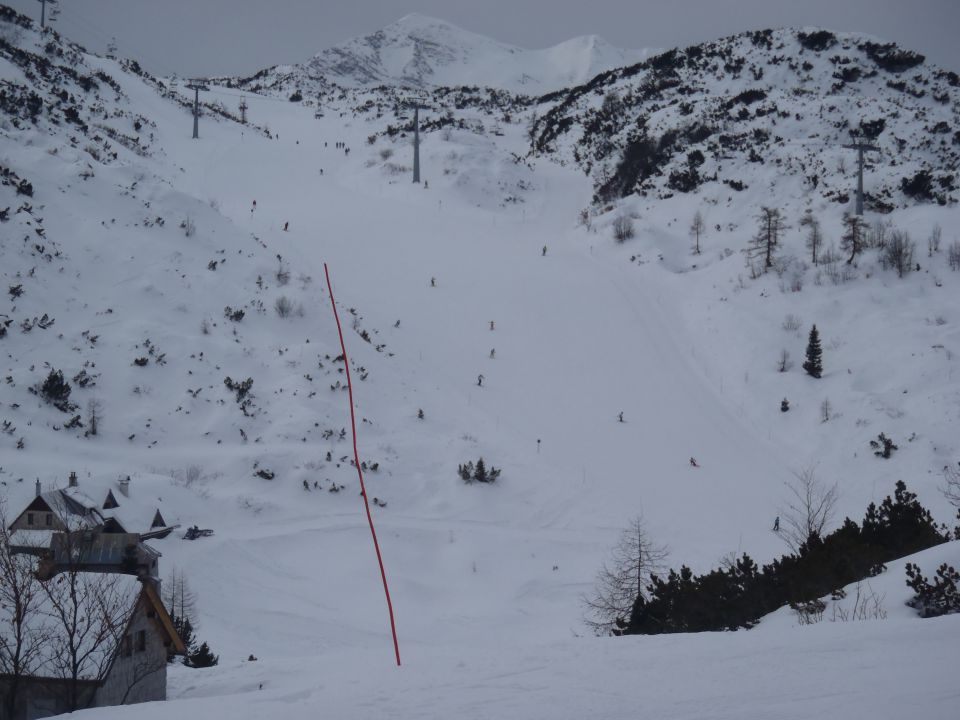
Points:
[[422, 52], [485, 315]]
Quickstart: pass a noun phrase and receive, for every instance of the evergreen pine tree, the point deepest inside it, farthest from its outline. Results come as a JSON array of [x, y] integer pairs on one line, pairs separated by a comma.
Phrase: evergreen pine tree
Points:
[[186, 634], [185, 630], [813, 364], [202, 658], [55, 389], [480, 475]]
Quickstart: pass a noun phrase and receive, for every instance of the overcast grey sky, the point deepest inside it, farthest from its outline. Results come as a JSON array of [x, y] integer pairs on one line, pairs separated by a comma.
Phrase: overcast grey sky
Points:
[[237, 37]]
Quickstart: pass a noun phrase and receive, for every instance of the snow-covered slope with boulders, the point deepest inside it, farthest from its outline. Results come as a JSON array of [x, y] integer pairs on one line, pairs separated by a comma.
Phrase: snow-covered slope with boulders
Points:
[[151, 303], [418, 52], [766, 108], [485, 315]]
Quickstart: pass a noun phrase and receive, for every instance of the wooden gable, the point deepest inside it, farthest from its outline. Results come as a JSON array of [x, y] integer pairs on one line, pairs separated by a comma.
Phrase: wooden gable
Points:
[[38, 505], [158, 520], [110, 502], [160, 614]]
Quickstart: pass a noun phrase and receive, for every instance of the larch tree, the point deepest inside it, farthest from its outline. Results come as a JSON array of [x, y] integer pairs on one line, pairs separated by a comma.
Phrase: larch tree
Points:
[[814, 235], [854, 236], [696, 230], [621, 580], [771, 226]]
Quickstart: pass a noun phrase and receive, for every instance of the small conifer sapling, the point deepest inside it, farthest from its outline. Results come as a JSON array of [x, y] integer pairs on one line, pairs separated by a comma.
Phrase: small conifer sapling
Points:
[[813, 364]]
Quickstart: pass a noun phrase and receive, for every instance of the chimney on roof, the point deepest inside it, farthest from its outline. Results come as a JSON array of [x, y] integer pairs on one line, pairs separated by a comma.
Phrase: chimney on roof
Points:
[[124, 484], [73, 479], [38, 487]]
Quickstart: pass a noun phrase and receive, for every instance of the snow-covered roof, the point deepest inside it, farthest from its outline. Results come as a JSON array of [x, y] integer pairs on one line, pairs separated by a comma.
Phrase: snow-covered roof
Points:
[[72, 503], [31, 538], [99, 548]]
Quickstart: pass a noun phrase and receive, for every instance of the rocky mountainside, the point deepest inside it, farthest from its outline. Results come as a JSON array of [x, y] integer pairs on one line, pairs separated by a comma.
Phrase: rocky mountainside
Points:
[[421, 52], [141, 297], [765, 108]]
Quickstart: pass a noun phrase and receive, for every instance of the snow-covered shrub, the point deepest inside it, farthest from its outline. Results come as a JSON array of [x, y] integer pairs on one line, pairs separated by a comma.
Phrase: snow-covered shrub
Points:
[[478, 473], [623, 228], [898, 253], [792, 323], [235, 315], [883, 446], [941, 598], [241, 388], [283, 306], [56, 391], [809, 612]]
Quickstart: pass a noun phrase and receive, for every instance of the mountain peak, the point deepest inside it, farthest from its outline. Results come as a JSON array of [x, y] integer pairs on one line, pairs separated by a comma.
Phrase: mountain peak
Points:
[[420, 50], [414, 21]]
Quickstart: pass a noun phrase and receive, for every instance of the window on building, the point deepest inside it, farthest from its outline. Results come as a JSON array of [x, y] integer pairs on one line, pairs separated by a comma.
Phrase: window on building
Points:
[[126, 646], [49, 519], [141, 640], [29, 518]]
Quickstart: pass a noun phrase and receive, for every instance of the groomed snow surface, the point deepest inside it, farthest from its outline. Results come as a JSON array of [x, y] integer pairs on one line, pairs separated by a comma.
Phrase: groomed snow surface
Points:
[[487, 581]]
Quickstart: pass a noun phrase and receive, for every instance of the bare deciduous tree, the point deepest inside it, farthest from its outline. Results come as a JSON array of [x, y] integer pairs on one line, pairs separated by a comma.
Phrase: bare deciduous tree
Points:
[[88, 612], [933, 242], [620, 580], [952, 488], [809, 509], [878, 234], [826, 410], [784, 364], [91, 612], [22, 639], [953, 255], [898, 253]]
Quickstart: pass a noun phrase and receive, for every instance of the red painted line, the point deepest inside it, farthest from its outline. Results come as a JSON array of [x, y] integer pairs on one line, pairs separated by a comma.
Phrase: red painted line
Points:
[[356, 459]]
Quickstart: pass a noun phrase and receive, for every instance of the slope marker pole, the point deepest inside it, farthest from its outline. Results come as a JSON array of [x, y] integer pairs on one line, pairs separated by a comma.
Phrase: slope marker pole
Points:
[[356, 459]]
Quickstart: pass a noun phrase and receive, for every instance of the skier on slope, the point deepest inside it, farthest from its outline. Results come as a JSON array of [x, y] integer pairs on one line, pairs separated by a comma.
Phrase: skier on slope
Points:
[[693, 462]]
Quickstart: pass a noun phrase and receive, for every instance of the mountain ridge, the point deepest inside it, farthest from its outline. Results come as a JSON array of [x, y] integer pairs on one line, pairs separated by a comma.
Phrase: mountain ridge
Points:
[[720, 111], [418, 51]]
